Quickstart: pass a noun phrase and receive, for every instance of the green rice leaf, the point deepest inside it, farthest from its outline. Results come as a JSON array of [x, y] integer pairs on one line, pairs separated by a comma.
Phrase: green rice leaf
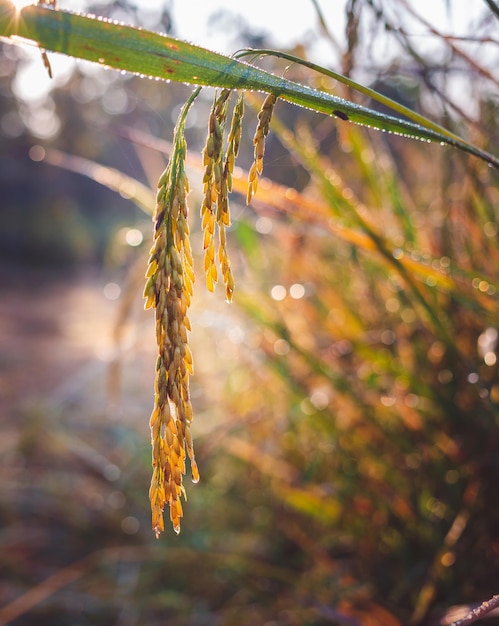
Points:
[[154, 55]]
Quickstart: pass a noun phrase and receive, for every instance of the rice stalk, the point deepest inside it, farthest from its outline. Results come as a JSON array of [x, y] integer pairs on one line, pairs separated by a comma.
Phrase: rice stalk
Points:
[[170, 278]]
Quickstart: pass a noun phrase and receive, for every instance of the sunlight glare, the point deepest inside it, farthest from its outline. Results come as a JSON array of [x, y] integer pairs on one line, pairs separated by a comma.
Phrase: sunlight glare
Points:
[[20, 4]]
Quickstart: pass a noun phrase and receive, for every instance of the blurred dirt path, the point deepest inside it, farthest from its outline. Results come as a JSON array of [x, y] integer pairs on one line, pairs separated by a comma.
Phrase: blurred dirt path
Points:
[[50, 326]]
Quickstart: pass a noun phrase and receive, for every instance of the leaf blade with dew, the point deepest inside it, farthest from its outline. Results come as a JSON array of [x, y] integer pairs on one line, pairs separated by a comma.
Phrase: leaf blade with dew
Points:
[[367, 91], [158, 56]]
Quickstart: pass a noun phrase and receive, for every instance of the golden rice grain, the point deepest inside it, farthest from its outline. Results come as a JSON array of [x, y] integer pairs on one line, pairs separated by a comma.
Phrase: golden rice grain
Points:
[[217, 181], [262, 130], [168, 290]]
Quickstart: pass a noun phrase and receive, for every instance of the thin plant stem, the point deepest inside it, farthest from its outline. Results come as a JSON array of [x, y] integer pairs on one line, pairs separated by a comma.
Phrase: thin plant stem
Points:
[[479, 612]]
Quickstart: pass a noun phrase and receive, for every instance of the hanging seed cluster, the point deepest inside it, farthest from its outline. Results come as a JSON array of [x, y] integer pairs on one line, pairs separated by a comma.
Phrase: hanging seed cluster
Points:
[[262, 130], [170, 278], [169, 287], [217, 183]]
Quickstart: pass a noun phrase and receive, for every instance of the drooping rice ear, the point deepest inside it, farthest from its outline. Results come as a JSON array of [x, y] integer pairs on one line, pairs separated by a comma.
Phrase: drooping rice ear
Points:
[[217, 182], [168, 290], [262, 130]]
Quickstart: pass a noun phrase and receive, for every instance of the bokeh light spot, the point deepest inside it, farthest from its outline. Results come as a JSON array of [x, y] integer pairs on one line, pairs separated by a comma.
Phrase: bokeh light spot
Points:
[[263, 225], [134, 237], [278, 292], [112, 291], [297, 291]]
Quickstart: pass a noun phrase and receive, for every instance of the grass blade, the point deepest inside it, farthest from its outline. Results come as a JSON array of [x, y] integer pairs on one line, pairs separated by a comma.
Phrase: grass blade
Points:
[[155, 55]]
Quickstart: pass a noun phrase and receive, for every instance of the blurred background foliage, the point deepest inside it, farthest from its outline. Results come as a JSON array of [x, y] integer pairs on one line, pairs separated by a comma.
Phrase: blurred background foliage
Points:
[[346, 404]]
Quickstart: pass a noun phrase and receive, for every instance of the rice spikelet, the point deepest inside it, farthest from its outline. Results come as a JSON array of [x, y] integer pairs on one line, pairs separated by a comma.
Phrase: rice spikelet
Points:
[[262, 130], [168, 290], [223, 209], [217, 183]]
